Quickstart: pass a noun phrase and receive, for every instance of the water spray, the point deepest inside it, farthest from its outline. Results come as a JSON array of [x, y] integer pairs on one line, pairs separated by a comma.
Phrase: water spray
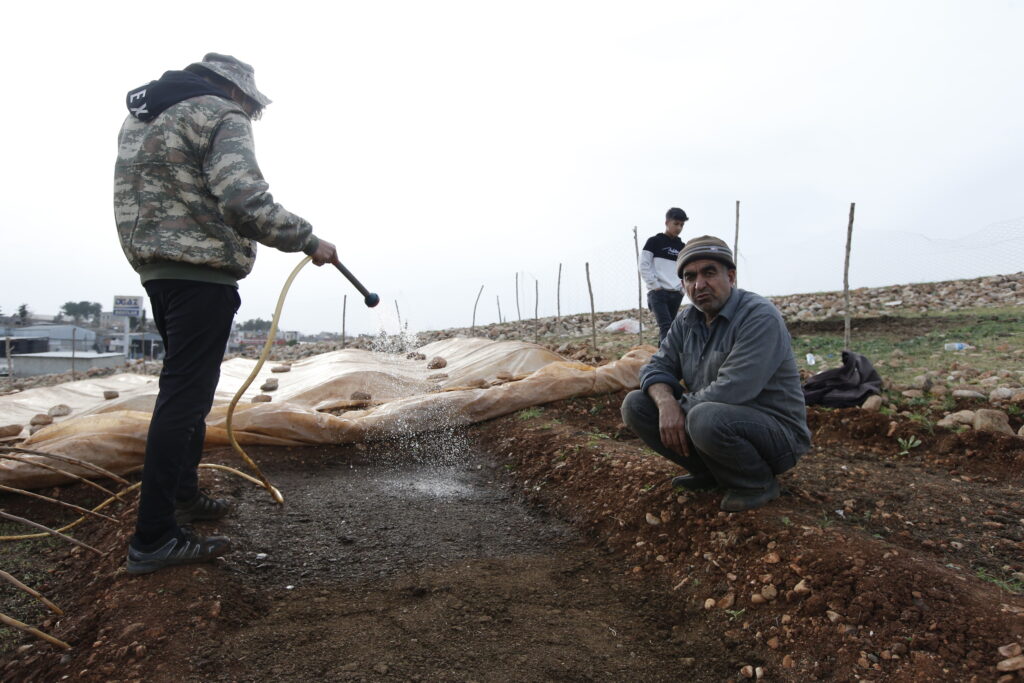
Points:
[[370, 299]]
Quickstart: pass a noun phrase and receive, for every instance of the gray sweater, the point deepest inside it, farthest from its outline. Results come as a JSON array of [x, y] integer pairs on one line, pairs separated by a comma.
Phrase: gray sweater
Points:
[[744, 358]]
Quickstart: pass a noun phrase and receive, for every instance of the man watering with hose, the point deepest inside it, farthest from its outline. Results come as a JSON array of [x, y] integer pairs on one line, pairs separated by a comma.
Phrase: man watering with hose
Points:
[[190, 204]]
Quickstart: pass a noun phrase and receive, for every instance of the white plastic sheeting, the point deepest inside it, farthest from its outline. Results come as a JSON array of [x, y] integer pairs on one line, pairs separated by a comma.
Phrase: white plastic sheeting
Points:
[[313, 403]]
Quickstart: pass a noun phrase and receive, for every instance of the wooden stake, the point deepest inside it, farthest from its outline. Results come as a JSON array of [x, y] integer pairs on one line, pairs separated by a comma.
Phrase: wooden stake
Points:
[[344, 311], [558, 299], [846, 281], [399, 314], [473, 325], [71, 461], [10, 621], [76, 508], [639, 289], [63, 473], [593, 322], [498, 299], [736, 239], [31, 591], [74, 334], [29, 522], [536, 309], [519, 316]]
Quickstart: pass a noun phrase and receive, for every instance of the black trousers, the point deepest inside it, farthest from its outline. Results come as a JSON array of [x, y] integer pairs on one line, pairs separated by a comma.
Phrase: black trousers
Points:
[[741, 446], [664, 304], [194, 321]]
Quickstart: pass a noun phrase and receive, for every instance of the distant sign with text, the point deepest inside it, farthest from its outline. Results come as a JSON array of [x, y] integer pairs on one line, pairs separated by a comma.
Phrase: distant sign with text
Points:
[[130, 306]]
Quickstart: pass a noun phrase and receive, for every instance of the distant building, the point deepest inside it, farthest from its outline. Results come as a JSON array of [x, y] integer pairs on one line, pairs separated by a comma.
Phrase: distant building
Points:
[[52, 362], [241, 339], [110, 321], [60, 337], [143, 344]]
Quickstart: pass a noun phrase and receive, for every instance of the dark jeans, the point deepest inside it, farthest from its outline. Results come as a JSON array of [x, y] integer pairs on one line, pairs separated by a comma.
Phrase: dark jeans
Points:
[[194, 320], [742, 447], [664, 304]]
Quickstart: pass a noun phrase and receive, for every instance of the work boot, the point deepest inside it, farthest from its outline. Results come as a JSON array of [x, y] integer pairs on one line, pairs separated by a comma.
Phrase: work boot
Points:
[[202, 508], [737, 500], [696, 482], [183, 546]]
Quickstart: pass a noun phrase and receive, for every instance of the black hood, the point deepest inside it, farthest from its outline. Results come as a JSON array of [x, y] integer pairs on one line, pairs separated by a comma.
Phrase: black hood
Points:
[[148, 101]]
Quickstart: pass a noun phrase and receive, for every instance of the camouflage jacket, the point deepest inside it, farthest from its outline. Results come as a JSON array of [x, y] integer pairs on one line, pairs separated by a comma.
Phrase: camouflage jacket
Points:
[[189, 198]]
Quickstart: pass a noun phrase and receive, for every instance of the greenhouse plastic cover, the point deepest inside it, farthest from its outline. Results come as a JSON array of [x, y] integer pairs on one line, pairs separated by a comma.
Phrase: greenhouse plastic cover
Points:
[[313, 403]]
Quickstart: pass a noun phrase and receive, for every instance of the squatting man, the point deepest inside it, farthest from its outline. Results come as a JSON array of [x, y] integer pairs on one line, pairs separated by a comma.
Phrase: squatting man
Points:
[[722, 395]]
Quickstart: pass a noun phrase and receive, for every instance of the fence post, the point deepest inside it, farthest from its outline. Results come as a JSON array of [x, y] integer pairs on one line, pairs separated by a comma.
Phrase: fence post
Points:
[[846, 281], [558, 302], [736, 239], [344, 311], [10, 368], [536, 310], [519, 315], [74, 334], [472, 328], [593, 322], [399, 314], [639, 290], [498, 299]]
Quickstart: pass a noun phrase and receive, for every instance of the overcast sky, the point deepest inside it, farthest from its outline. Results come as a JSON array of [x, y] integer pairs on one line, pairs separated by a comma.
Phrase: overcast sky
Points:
[[443, 146]]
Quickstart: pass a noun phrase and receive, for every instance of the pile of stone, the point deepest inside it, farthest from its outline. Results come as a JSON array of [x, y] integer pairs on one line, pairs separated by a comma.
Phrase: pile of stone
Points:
[[927, 297], [1002, 390]]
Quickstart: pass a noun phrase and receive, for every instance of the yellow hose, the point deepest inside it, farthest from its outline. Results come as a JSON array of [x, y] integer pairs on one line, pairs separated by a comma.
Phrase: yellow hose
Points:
[[275, 494]]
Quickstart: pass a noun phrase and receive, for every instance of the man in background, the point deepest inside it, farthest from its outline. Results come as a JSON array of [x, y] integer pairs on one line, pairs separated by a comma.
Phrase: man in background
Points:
[[658, 270], [190, 204]]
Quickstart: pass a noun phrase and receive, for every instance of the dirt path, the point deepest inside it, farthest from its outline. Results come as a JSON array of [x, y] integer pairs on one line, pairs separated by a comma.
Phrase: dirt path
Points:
[[423, 572]]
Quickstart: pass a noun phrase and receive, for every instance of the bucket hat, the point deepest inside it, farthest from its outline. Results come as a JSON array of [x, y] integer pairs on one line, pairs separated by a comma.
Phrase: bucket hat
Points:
[[234, 70]]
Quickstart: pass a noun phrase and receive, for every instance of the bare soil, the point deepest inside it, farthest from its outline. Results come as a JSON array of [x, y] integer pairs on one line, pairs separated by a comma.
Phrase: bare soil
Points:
[[548, 545]]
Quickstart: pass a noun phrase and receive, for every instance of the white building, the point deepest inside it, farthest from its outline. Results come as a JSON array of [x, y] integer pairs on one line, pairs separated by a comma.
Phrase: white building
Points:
[[61, 337]]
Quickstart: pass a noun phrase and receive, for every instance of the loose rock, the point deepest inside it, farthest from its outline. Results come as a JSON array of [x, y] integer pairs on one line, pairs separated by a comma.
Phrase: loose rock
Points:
[[872, 403], [41, 419], [360, 396], [10, 430], [968, 393], [59, 410], [1000, 394], [987, 420], [262, 398], [269, 385], [653, 520], [436, 363], [281, 368], [110, 394], [961, 417], [1011, 664], [1011, 650]]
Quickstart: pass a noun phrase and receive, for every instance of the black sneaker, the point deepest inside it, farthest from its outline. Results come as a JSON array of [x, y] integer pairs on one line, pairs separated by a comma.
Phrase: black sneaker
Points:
[[737, 500], [185, 547], [696, 482], [202, 508]]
